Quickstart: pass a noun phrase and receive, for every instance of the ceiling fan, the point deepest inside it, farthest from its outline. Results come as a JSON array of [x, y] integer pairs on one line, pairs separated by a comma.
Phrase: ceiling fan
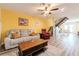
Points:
[[47, 9]]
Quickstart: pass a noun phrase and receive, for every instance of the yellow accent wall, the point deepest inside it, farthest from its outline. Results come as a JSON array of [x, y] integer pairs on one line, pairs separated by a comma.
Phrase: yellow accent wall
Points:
[[10, 21], [0, 26], [50, 22]]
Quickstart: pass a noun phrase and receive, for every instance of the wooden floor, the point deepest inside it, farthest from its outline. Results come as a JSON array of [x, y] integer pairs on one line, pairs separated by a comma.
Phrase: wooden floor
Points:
[[65, 44], [68, 43]]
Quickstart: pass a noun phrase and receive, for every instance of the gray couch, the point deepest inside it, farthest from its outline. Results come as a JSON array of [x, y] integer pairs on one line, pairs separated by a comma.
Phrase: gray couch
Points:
[[11, 43]]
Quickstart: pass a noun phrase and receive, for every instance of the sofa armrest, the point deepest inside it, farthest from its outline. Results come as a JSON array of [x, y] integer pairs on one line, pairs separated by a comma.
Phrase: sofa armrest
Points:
[[36, 36], [7, 43]]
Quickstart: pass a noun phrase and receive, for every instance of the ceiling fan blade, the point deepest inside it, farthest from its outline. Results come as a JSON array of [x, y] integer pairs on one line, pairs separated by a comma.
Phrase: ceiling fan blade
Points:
[[50, 13], [46, 8], [54, 9], [49, 5], [42, 13], [40, 10], [42, 4]]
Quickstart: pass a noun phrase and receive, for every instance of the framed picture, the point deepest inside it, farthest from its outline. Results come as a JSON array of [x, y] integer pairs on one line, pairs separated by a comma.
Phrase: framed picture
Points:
[[23, 22]]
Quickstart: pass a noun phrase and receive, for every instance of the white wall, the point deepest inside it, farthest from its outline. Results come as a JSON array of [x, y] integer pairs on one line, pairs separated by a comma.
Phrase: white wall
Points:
[[71, 27]]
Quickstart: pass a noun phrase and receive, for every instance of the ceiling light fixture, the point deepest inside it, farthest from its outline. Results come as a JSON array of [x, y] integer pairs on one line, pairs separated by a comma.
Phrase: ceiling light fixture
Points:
[[47, 8]]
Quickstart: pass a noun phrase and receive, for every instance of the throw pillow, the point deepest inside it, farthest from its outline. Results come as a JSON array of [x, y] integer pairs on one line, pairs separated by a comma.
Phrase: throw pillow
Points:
[[15, 35], [32, 34]]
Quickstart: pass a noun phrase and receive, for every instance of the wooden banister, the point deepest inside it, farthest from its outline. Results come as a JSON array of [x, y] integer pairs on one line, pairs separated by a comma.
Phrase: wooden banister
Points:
[[61, 21]]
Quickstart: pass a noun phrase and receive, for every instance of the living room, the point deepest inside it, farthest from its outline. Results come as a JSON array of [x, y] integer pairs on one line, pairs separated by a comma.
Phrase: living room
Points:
[[14, 17], [39, 29]]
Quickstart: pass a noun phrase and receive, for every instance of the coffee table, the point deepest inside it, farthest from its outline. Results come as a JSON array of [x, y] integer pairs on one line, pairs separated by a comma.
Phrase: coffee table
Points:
[[30, 47]]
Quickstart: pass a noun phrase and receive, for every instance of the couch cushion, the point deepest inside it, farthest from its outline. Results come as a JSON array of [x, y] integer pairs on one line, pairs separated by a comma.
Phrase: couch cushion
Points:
[[19, 40], [9, 33], [15, 35], [30, 31], [23, 32]]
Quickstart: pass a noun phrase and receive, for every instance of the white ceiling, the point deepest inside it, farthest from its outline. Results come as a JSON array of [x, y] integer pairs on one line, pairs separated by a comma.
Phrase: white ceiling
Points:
[[28, 8], [71, 10]]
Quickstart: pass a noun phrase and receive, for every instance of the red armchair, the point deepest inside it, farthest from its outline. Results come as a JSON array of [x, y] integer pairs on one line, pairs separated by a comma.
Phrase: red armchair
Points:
[[44, 34]]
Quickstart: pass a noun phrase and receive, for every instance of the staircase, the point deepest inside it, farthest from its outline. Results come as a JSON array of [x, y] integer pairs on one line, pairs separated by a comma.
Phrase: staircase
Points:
[[57, 26], [57, 23], [61, 21], [51, 30]]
